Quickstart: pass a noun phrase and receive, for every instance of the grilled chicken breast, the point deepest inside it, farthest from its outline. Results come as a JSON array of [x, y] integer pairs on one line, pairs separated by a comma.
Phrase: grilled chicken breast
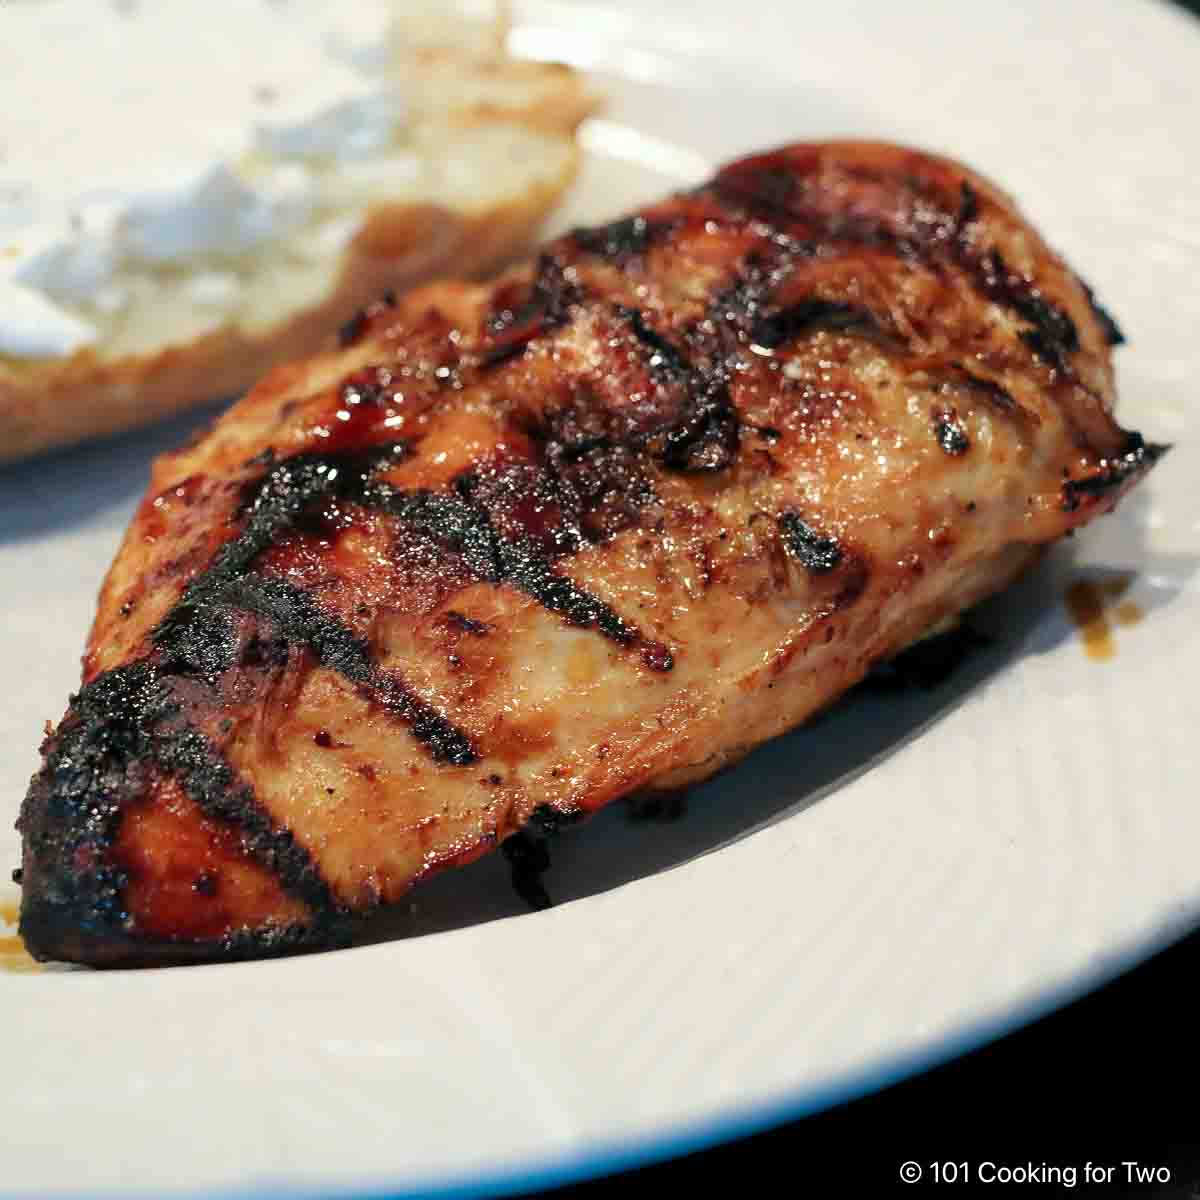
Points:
[[516, 550]]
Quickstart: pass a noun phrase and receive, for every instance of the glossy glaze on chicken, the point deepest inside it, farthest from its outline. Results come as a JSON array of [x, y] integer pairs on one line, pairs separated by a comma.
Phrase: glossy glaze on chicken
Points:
[[516, 550]]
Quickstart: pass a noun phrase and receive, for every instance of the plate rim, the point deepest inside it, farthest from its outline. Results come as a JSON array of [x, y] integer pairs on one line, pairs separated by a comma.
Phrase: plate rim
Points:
[[804, 1099]]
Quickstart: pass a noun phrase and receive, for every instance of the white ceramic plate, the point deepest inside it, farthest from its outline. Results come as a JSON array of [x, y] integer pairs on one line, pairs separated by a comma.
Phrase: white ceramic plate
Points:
[[910, 876]]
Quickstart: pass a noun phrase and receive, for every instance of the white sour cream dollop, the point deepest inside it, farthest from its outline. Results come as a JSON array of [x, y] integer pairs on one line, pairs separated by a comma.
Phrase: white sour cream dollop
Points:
[[169, 134]]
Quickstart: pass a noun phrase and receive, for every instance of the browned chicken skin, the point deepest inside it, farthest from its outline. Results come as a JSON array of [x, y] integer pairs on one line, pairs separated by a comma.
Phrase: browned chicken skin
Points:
[[518, 550]]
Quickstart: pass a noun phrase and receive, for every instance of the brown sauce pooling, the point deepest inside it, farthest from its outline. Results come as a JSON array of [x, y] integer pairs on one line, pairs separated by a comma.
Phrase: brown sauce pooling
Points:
[[1088, 603], [14, 958], [19, 963], [1128, 613], [1085, 603]]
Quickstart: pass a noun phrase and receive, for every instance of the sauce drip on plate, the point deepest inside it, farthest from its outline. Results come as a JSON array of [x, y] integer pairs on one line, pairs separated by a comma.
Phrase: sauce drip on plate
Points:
[[14, 958], [1090, 604]]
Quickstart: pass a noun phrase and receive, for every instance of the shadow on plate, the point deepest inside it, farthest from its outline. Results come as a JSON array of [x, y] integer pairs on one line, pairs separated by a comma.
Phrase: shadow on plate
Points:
[[63, 489]]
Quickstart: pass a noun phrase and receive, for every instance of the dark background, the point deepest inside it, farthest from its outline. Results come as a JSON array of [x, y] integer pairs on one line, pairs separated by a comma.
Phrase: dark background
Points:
[[1109, 1078], [1114, 1076]]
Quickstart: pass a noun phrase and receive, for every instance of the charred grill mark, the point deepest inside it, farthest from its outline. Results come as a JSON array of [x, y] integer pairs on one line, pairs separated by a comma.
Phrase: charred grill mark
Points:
[[744, 315], [958, 380], [951, 435], [856, 574], [992, 392], [620, 241], [574, 452], [328, 934], [281, 497], [197, 637], [1111, 330], [70, 815], [264, 653], [446, 519], [510, 342], [707, 433], [465, 528], [547, 307], [772, 330], [657, 656], [929, 234], [339, 648], [465, 624], [813, 551], [1053, 336], [206, 884], [356, 326], [968, 206], [204, 648], [783, 200], [693, 425], [664, 357], [765, 193], [1139, 456], [527, 501], [596, 466], [768, 433], [119, 728], [745, 301], [707, 438], [353, 329], [535, 577], [207, 778]]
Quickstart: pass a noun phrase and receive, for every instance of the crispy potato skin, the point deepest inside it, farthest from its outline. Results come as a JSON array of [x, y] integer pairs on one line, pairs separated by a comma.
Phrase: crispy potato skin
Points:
[[517, 550]]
